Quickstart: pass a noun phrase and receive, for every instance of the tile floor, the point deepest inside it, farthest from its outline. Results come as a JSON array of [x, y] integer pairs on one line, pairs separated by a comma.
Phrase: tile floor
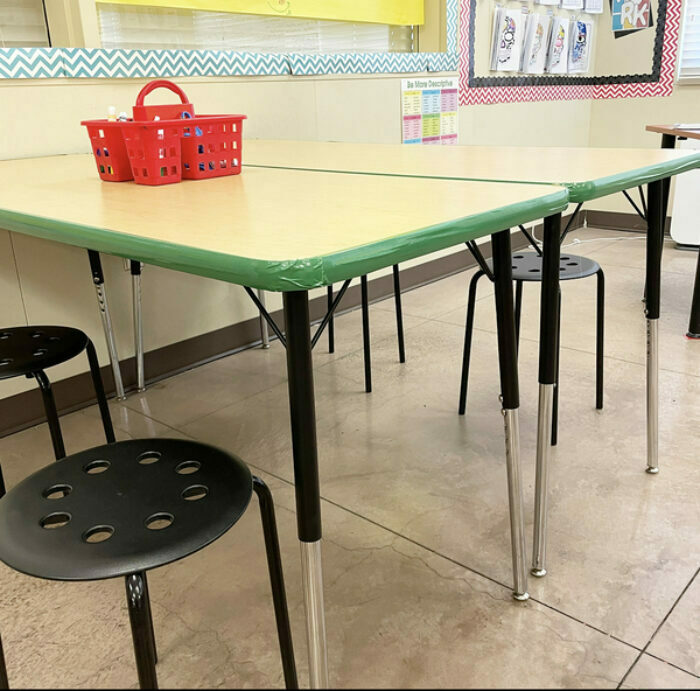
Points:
[[416, 548]]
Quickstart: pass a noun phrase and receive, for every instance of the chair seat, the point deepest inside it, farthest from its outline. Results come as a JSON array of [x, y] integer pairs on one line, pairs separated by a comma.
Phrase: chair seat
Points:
[[154, 500], [29, 349], [527, 266]]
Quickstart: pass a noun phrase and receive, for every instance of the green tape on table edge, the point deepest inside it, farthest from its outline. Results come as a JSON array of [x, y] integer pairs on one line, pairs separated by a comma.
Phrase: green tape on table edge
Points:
[[293, 274]]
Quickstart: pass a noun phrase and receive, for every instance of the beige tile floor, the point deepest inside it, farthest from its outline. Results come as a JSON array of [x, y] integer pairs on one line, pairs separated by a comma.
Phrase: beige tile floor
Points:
[[416, 548]]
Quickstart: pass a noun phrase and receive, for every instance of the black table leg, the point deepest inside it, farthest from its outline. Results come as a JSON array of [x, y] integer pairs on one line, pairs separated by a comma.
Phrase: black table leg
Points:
[[508, 361], [694, 324], [549, 318], [303, 421]]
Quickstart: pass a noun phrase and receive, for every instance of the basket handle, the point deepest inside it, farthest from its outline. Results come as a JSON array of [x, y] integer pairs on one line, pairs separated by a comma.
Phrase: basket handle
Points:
[[158, 84]]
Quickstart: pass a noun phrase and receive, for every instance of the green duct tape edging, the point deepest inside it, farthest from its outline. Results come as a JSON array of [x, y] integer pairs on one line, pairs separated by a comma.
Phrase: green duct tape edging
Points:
[[292, 274]]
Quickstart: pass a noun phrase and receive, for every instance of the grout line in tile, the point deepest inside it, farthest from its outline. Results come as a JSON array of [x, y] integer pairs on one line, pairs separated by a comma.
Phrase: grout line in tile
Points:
[[658, 628], [452, 560]]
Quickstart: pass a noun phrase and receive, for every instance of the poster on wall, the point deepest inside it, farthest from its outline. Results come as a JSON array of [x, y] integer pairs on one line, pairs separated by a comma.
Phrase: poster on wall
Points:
[[629, 16], [429, 110]]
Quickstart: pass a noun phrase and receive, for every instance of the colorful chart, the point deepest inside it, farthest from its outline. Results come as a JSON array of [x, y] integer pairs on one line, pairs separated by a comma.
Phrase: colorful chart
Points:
[[429, 111]]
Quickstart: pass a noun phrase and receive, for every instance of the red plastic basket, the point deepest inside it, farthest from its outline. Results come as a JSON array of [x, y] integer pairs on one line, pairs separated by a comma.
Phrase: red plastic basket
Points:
[[179, 144]]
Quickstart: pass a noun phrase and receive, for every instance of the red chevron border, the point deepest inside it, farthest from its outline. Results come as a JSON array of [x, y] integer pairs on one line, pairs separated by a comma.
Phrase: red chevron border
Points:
[[469, 96]]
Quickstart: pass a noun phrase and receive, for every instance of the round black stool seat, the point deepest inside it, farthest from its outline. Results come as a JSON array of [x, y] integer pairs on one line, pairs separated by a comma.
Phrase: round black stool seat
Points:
[[29, 349], [527, 266], [149, 501]]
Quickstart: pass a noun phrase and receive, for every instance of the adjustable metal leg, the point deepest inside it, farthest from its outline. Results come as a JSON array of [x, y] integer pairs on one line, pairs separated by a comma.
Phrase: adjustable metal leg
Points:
[[100, 392], [140, 631], [99, 281], [331, 321], [279, 597], [600, 340], [138, 324], [549, 318], [468, 331], [264, 335], [508, 360], [365, 335], [555, 402], [306, 482], [51, 414], [694, 324], [399, 313], [655, 239]]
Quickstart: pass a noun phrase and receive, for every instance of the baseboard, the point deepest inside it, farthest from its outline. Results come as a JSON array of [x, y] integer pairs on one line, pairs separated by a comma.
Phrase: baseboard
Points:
[[616, 220], [25, 409]]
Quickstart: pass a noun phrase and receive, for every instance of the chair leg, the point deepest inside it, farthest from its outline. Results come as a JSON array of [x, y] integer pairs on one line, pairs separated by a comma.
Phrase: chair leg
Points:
[[51, 414], [274, 563], [555, 401], [518, 310], [331, 323], [100, 392], [599, 346], [4, 682], [365, 335], [137, 602], [466, 355], [399, 314], [152, 633]]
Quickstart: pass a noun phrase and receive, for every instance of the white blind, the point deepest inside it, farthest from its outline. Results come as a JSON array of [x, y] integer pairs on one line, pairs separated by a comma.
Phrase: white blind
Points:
[[689, 60], [22, 24], [124, 26]]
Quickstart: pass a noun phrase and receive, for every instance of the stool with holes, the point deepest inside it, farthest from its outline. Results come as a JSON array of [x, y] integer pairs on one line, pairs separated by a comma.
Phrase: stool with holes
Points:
[[29, 350], [124, 508], [527, 266]]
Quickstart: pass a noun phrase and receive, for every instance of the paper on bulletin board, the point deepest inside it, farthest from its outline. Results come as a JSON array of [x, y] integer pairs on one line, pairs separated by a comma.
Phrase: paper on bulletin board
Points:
[[429, 110]]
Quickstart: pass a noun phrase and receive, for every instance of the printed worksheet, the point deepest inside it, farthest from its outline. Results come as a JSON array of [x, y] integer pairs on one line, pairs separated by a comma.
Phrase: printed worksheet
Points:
[[572, 4], [580, 35], [593, 6], [553, 3], [508, 39], [535, 45], [558, 53]]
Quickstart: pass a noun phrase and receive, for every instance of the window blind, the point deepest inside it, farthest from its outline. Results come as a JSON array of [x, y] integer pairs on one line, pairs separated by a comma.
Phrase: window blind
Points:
[[22, 24], [125, 26], [689, 55]]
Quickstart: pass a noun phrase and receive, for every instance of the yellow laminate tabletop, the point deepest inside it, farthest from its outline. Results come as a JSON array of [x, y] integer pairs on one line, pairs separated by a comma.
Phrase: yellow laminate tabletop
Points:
[[587, 172], [267, 228]]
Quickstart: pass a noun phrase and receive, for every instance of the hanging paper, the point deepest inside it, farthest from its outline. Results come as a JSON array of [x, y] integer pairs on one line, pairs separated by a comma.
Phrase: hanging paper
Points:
[[535, 45], [593, 6], [572, 4], [508, 40], [580, 35], [558, 54], [554, 3]]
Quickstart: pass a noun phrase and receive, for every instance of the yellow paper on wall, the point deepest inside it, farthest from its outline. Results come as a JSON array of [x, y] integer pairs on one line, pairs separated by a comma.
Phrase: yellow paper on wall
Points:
[[399, 12]]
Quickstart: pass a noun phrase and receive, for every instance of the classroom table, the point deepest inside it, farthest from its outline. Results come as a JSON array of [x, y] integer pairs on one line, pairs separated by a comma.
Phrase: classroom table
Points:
[[588, 173], [291, 231], [669, 135]]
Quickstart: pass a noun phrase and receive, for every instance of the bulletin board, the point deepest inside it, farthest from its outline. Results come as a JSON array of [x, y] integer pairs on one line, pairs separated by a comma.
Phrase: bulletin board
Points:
[[622, 63]]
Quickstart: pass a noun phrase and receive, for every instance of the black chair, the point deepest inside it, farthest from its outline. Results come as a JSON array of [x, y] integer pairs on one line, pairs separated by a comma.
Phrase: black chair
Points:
[[125, 508], [29, 350], [527, 267]]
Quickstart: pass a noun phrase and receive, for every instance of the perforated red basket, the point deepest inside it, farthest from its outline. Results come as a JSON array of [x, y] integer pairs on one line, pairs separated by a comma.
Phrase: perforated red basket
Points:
[[179, 144]]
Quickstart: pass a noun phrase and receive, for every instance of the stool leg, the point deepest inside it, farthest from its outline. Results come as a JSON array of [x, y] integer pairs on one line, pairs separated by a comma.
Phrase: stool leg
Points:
[[365, 335], [599, 346], [51, 414], [279, 597], [152, 632], [399, 314], [331, 322], [555, 401], [138, 324], [264, 334], [137, 602], [466, 355], [518, 310], [100, 392], [4, 682]]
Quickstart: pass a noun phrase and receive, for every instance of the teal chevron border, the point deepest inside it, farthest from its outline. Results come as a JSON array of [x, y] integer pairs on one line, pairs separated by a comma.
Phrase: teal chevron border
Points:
[[52, 63]]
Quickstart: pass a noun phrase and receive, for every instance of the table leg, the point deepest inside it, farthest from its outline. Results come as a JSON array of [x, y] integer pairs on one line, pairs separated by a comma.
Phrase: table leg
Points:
[[694, 324], [264, 335], [99, 280], [547, 377], [508, 361], [655, 240], [308, 499], [668, 141], [138, 324]]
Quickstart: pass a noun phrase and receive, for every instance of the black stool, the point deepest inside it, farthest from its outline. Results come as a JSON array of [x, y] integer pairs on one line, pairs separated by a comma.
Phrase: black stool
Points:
[[29, 350], [124, 508], [527, 266]]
